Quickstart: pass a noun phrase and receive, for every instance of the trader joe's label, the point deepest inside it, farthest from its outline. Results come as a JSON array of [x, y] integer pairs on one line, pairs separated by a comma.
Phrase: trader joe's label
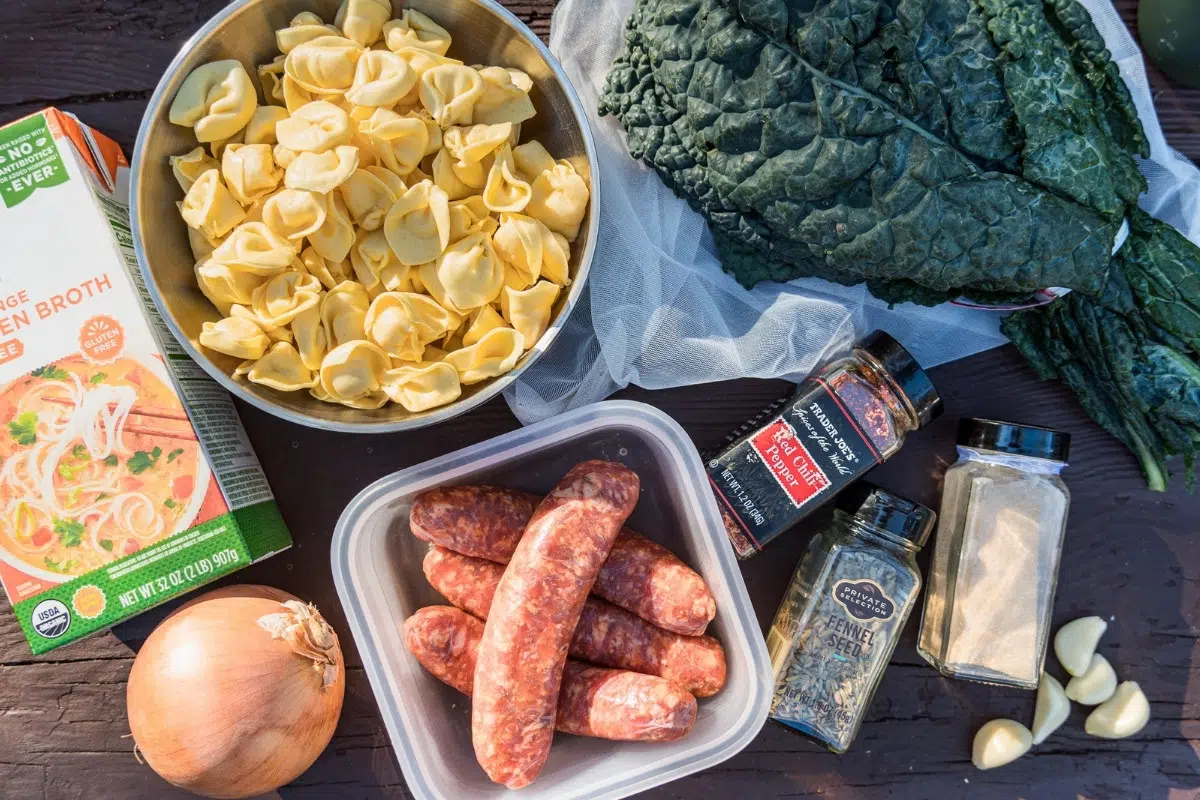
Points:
[[29, 160], [773, 476]]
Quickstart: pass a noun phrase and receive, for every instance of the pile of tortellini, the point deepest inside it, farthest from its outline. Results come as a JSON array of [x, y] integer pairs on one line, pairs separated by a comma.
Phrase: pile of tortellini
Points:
[[375, 232]]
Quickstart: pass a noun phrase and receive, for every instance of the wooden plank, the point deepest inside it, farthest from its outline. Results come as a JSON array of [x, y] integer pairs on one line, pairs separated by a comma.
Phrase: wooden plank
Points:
[[1129, 554]]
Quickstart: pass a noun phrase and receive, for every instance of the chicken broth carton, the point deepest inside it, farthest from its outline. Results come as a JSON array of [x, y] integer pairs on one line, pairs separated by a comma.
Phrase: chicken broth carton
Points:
[[126, 478]]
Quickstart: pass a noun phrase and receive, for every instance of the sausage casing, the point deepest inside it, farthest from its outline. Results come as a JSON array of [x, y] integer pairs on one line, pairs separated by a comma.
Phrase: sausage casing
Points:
[[606, 635], [639, 575], [533, 616], [605, 703]]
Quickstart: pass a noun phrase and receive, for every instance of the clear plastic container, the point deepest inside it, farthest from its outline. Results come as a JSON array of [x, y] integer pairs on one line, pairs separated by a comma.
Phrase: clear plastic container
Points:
[[377, 570]]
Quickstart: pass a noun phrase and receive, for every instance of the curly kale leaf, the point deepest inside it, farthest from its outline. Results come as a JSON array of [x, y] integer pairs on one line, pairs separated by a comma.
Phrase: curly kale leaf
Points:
[[926, 147]]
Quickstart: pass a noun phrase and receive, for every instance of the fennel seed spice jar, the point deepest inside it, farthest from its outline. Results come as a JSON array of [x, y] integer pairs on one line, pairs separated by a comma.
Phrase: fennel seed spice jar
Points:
[[843, 612]]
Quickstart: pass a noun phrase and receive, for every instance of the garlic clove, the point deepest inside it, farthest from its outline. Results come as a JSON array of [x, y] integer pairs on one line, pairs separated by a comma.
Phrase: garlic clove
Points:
[[1123, 714], [1094, 686], [1076, 641], [1000, 742], [1052, 708]]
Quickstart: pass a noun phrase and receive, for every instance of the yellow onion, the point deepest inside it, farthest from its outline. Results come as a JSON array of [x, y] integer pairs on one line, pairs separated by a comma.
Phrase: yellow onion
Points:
[[237, 692]]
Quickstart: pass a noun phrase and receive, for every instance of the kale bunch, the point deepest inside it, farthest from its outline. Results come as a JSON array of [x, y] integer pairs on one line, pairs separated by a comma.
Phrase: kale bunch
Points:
[[1131, 354], [931, 148]]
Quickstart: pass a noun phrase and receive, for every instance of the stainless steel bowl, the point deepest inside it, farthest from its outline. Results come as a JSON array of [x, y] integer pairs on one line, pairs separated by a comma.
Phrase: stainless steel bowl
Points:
[[483, 33]]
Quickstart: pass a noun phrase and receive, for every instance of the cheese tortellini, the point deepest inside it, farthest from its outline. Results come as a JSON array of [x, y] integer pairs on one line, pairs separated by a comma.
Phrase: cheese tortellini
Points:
[[376, 231], [216, 101]]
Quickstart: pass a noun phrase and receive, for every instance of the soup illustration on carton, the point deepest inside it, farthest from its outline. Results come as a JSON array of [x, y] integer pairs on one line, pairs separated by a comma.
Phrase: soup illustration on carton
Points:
[[126, 478]]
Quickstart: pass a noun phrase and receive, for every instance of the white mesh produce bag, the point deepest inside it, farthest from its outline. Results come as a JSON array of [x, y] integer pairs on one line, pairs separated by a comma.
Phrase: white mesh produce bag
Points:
[[659, 312]]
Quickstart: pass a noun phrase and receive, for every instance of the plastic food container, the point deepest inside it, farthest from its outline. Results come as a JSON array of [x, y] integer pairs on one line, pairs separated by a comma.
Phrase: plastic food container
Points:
[[377, 569]]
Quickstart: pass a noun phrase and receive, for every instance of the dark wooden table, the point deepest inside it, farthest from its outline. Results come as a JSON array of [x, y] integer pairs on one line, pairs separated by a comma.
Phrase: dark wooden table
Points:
[[1131, 556]]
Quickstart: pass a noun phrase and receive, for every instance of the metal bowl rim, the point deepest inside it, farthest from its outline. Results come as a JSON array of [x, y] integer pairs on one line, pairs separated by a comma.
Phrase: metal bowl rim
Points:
[[156, 105]]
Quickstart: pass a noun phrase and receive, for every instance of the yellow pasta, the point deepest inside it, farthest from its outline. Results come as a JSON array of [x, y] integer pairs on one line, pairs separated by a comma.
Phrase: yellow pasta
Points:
[[335, 237], [470, 215], [295, 213], [188, 167], [210, 208], [270, 77], [381, 78], [481, 321], [418, 225], [325, 65], [249, 171], [235, 336], [505, 191], [351, 374], [216, 100], [492, 356], [529, 310], [314, 128], [329, 274], [225, 286], [378, 233], [470, 273], [370, 256], [402, 323], [311, 341], [261, 127], [449, 92], [322, 172], [304, 27], [282, 368], [447, 179], [253, 247], [501, 100], [420, 387], [344, 311], [363, 20], [559, 198], [414, 29], [368, 199], [277, 302], [400, 142], [531, 160]]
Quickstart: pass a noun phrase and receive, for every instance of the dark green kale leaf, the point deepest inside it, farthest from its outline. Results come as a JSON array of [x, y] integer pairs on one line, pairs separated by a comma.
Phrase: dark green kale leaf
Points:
[[1130, 354], [927, 147]]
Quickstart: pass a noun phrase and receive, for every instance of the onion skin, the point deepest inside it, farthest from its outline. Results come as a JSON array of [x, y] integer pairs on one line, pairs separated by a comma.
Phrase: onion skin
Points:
[[218, 707]]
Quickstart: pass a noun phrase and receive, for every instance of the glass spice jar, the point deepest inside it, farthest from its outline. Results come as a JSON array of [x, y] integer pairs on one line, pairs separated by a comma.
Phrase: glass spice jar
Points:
[[844, 419], [843, 612], [994, 570]]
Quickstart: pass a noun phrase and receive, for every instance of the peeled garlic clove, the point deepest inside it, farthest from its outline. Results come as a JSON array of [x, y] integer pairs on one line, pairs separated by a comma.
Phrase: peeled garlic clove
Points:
[[1123, 714], [1000, 742], [1094, 686], [1076, 641], [1052, 708]]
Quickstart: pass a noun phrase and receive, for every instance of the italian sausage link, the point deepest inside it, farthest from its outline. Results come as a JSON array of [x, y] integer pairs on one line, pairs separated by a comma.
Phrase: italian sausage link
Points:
[[638, 575], [606, 635], [534, 613], [604, 703]]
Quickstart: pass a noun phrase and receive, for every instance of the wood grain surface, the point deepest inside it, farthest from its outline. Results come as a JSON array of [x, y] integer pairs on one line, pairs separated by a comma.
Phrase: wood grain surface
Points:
[[1130, 555]]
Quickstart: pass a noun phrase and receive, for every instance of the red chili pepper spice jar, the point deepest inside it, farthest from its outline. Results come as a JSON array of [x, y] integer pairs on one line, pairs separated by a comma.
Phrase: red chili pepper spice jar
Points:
[[849, 416]]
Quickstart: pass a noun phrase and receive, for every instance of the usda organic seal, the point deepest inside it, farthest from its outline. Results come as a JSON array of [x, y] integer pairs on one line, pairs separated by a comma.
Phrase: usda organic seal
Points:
[[50, 618]]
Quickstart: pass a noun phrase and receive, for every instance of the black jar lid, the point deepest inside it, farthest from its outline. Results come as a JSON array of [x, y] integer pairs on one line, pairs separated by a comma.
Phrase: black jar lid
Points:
[[891, 513], [1009, 437], [906, 372]]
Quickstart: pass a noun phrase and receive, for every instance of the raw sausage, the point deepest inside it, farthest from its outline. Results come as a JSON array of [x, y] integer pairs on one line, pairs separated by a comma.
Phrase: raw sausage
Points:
[[638, 575], [534, 612], [605, 703], [606, 635]]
